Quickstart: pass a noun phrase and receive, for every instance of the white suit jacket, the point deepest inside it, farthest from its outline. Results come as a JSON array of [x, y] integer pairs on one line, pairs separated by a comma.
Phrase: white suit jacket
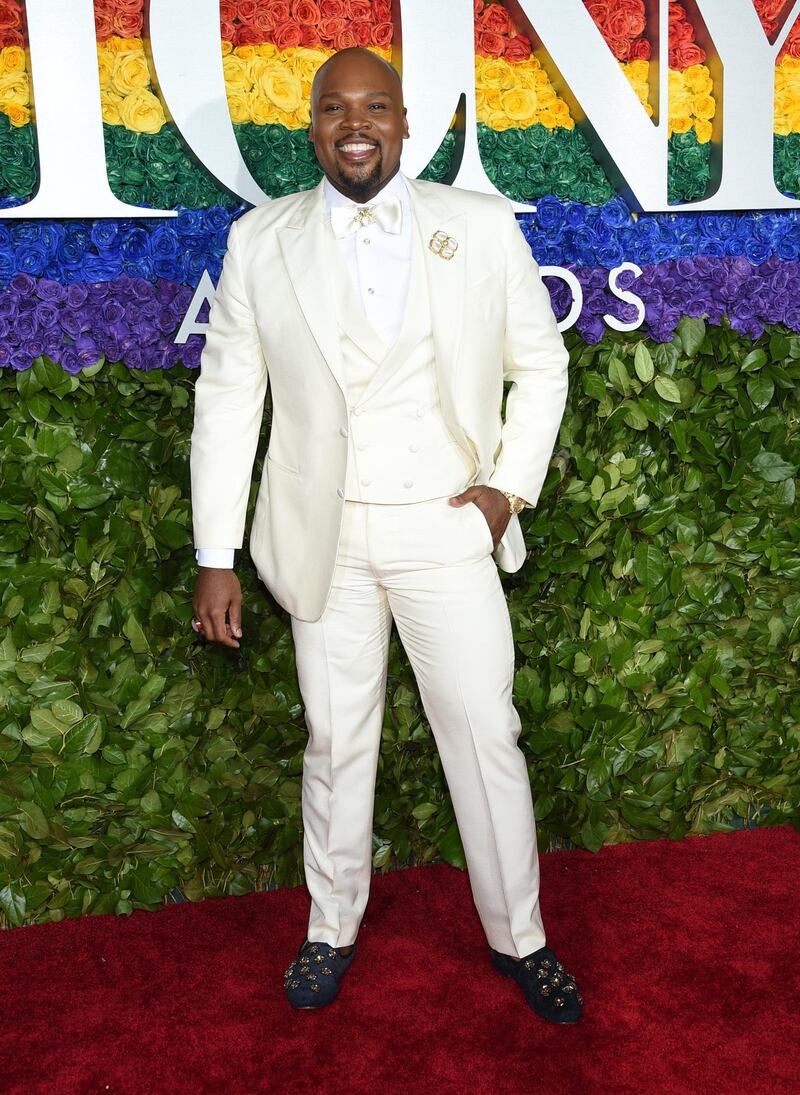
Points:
[[273, 320]]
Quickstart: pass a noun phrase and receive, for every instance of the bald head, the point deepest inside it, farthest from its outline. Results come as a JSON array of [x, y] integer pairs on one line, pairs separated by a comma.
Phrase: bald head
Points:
[[358, 122]]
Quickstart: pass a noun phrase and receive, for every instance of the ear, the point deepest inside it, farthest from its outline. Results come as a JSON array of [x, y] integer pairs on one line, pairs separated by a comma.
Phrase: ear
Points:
[[310, 134], [406, 134]]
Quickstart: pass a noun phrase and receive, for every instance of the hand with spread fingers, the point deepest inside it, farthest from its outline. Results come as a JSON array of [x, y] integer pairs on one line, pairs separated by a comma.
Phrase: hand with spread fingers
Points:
[[492, 503], [218, 606]]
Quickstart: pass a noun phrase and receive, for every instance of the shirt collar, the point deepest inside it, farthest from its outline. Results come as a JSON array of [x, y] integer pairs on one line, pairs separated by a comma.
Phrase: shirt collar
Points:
[[395, 187]]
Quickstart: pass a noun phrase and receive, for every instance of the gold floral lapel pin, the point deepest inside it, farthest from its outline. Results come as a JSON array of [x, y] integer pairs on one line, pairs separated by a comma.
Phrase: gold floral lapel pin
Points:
[[443, 245]]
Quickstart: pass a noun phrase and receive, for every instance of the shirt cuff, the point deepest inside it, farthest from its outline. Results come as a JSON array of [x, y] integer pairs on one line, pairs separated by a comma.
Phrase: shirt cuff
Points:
[[216, 558]]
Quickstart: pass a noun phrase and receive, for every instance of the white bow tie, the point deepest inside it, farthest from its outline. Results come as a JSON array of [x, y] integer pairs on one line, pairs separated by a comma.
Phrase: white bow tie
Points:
[[387, 214]]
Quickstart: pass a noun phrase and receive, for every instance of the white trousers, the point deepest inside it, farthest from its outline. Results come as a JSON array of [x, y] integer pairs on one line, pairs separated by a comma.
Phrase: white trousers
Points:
[[428, 566]]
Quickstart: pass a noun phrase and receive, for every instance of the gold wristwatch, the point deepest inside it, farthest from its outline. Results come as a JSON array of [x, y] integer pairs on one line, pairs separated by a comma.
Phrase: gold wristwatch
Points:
[[515, 503]]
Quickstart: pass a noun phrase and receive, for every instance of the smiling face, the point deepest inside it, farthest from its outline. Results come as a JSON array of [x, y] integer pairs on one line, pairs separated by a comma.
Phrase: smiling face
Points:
[[358, 122]]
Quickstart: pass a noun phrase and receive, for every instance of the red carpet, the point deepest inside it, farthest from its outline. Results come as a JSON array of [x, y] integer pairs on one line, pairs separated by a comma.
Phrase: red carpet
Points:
[[686, 954]]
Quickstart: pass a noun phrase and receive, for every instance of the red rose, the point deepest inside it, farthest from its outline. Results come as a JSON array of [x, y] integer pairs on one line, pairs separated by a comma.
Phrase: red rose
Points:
[[247, 35], [130, 6], [495, 18], [686, 54], [361, 11], [681, 32], [345, 39], [227, 31], [489, 43], [13, 37], [518, 48], [310, 36], [288, 35], [382, 11], [128, 24], [640, 50], [10, 15], [332, 9], [477, 8], [103, 24], [227, 11], [598, 12], [382, 35], [305, 12]]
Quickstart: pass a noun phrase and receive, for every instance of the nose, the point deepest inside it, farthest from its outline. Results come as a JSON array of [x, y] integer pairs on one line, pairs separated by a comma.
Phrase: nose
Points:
[[355, 118]]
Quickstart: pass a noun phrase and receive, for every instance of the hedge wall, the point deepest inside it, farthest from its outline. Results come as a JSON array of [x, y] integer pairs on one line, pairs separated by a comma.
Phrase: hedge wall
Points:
[[656, 623]]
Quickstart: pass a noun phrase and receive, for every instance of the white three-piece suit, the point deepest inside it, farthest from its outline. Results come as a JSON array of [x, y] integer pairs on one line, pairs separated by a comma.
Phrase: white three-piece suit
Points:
[[374, 426]]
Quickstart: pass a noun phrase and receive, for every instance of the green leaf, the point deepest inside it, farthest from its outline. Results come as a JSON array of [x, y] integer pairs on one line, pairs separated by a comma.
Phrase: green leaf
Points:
[[132, 629], [12, 902], [33, 821], [643, 363], [772, 468], [692, 332], [451, 849], [668, 389], [635, 416], [761, 389], [649, 565]]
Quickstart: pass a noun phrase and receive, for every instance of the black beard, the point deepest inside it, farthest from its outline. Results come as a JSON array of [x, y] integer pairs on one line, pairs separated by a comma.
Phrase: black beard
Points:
[[361, 185]]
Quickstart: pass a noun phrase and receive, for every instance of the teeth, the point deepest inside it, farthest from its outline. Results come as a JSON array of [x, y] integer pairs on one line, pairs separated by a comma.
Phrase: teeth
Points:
[[357, 147]]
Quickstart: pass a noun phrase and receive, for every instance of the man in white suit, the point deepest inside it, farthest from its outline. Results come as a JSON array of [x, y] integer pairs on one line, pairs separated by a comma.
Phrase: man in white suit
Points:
[[385, 314]]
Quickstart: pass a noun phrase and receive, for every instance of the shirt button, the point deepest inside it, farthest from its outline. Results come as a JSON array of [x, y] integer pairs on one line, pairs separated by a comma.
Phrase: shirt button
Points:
[[413, 448], [408, 483], [358, 410], [343, 431], [340, 492], [367, 239], [420, 412], [366, 482], [361, 446], [370, 291]]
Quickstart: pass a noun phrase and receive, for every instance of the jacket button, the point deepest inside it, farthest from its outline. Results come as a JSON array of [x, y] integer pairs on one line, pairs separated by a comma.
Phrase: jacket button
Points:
[[343, 431], [408, 483], [340, 492], [413, 448]]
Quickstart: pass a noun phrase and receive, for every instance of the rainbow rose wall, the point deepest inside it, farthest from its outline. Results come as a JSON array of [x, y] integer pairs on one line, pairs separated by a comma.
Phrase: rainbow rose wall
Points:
[[657, 620]]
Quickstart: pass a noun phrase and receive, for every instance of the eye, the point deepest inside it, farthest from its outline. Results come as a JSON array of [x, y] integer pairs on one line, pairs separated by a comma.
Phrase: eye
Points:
[[377, 106], [331, 107]]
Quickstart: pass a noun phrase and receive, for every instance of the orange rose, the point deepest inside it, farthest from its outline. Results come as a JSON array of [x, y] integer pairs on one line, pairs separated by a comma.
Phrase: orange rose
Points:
[[246, 10], [518, 48], [598, 12], [279, 10], [310, 38], [247, 35], [227, 11], [264, 22], [362, 32], [128, 24], [103, 24], [382, 35], [490, 43], [361, 9], [227, 31], [306, 12], [495, 18], [329, 27], [686, 54], [640, 50], [332, 9], [345, 39], [627, 22], [289, 35]]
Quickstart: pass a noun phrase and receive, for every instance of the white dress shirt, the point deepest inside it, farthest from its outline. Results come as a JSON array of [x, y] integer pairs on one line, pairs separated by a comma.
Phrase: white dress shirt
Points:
[[380, 266]]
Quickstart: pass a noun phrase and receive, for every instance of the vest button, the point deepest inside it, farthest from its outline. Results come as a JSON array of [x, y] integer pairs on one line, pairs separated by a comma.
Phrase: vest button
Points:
[[340, 492], [366, 482], [343, 431], [413, 448], [408, 483], [358, 410], [361, 446], [420, 412]]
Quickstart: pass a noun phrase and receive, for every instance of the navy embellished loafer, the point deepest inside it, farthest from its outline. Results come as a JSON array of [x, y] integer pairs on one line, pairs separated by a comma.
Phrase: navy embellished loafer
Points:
[[549, 989], [312, 980]]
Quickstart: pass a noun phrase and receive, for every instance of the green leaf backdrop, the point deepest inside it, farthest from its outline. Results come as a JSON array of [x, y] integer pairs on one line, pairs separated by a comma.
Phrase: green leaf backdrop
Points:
[[657, 624]]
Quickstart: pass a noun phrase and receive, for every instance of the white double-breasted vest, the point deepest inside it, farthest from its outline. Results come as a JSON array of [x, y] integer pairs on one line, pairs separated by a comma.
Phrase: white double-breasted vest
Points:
[[400, 448]]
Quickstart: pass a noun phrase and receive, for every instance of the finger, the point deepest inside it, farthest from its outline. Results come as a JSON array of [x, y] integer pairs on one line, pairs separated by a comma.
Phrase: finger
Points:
[[221, 633], [235, 616], [468, 495]]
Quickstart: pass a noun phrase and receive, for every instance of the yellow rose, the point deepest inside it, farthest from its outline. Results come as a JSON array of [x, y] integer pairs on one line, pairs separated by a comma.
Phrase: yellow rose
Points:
[[246, 53], [110, 103], [793, 117], [238, 74], [698, 79], [282, 88], [547, 97], [306, 62], [105, 66], [261, 110], [142, 112], [302, 116], [493, 74], [520, 105], [130, 72], [561, 113], [547, 118], [704, 107], [12, 60], [16, 114], [227, 47], [239, 106], [703, 130], [680, 104], [541, 79], [680, 124], [15, 88], [268, 50]]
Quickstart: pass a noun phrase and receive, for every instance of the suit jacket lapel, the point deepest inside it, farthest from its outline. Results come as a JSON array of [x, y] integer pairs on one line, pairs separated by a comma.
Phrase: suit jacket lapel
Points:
[[446, 287], [303, 244]]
